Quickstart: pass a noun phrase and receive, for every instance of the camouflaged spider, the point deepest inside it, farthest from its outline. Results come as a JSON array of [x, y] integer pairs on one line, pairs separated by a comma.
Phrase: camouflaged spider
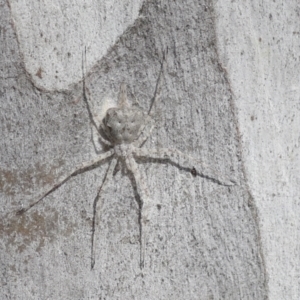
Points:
[[124, 130]]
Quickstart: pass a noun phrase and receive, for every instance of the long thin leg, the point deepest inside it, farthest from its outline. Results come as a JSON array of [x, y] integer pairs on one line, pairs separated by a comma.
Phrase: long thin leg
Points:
[[79, 170], [184, 161], [95, 140], [145, 206], [158, 85], [88, 106], [146, 132], [149, 122], [107, 177]]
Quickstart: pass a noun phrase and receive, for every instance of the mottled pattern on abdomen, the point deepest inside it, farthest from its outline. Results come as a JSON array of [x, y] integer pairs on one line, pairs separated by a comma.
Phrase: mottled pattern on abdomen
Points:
[[124, 125]]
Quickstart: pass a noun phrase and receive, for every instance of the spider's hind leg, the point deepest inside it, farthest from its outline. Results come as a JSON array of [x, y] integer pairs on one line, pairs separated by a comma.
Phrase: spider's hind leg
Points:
[[145, 207], [184, 161], [107, 178]]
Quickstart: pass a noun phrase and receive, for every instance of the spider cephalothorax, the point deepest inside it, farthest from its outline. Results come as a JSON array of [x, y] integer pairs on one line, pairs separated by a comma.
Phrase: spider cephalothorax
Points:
[[124, 130]]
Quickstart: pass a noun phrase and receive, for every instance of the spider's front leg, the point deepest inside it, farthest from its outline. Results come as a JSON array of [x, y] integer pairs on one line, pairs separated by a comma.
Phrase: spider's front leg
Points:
[[186, 162], [145, 132], [91, 116]]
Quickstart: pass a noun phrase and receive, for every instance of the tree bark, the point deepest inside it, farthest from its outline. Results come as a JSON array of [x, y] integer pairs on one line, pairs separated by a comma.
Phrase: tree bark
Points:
[[204, 240]]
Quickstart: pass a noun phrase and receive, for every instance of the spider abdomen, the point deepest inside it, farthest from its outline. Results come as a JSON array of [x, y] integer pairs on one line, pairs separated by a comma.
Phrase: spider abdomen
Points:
[[124, 125]]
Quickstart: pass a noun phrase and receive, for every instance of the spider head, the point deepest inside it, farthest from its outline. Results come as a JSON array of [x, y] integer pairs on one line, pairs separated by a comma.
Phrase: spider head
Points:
[[123, 125]]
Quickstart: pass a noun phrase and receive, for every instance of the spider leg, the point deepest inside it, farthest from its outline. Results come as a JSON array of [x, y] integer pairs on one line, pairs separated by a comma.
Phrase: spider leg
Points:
[[144, 203], [149, 122], [158, 84], [107, 177], [146, 132], [79, 170], [186, 162], [95, 139], [102, 140]]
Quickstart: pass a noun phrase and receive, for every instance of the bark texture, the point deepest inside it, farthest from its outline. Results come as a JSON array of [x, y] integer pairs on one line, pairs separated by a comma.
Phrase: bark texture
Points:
[[204, 240]]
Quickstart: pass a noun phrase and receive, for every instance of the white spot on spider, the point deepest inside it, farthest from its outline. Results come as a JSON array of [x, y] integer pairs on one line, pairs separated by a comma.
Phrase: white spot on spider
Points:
[[107, 104]]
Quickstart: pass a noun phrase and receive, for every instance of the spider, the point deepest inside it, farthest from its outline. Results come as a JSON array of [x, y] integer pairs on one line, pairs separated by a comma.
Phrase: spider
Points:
[[124, 130]]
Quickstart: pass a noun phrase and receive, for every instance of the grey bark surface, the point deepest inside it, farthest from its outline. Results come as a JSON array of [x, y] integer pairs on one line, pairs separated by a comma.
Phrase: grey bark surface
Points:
[[204, 239]]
